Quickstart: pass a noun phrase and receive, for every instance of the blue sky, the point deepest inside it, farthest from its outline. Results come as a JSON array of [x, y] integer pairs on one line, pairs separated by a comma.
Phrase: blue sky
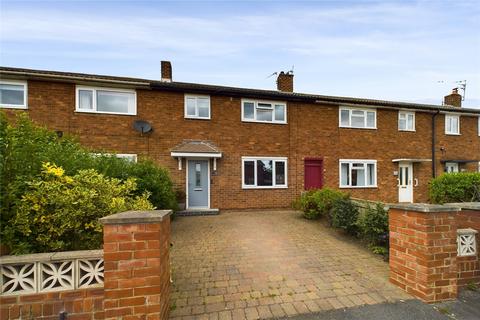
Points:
[[394, 50]]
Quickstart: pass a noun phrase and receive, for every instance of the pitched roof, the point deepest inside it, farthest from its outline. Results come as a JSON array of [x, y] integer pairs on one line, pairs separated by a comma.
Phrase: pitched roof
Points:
[[225, 90], [196, 146]]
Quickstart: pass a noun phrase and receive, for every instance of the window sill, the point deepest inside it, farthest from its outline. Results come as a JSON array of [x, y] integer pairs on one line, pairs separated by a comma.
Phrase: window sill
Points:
[[102, 112], [363, 128], [265, 122], [6, 106], [452, 134], [264, 187], [197, 118], [358, 187], [404, 130]]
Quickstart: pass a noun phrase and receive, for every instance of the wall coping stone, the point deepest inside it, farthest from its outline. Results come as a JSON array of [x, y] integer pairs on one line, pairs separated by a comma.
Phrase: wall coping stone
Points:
[[51, 256], [466, 231], [136, 217], [427, 207]]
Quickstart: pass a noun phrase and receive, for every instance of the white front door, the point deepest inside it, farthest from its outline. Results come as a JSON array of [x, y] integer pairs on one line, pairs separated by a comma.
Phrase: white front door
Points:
[[405, 182]]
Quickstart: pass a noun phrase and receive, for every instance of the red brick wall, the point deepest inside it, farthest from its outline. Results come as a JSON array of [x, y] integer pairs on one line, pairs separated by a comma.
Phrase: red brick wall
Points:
[[312, 131], [79, 304], [469, 267], [136, 279], [423, 253], [137, 270]]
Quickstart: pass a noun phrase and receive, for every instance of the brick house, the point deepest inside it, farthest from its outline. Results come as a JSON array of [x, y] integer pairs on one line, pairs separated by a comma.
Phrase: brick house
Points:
[[231, 147]]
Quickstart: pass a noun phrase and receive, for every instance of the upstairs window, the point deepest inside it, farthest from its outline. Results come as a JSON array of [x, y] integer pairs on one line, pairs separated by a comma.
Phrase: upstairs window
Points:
[[103, 100], [264, 111], [13, 94], [358, 173], [197, 107], [264, 172], [357, 118], [452, 124], [406, 121]]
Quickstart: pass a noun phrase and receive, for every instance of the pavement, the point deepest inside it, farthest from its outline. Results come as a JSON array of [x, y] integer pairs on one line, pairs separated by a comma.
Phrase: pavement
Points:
[[466, 307]]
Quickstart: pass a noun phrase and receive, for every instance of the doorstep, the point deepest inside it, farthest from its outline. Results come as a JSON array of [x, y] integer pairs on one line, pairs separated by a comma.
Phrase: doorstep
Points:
[[198, 212]]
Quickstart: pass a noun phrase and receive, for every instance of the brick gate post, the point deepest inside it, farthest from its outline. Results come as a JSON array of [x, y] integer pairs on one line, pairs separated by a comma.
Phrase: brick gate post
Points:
[[137, 267]]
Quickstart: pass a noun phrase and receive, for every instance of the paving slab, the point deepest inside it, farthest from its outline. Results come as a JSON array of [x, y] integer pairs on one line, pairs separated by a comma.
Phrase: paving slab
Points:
[[261, 264]]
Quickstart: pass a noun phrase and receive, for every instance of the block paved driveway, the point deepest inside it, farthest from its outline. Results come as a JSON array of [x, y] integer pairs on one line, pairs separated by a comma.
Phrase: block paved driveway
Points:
[[266, 264]]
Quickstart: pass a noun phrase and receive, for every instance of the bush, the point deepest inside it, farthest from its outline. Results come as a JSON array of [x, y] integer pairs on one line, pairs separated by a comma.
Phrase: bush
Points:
[[317, 203], [60, 212], [455, 187], [25, 146], [373, 224], [344, 215]]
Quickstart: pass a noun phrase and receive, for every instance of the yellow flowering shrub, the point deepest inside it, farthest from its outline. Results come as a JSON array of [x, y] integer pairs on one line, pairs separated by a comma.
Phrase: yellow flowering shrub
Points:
[[60, 212]]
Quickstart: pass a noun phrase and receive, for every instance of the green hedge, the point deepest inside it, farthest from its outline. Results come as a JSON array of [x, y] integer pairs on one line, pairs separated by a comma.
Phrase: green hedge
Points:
[[25, 147], [455, 187], [318, 203], [59, 212]]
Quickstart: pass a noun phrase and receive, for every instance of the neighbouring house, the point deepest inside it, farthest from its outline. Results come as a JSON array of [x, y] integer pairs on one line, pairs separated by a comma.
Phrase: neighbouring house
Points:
[[232, 147]]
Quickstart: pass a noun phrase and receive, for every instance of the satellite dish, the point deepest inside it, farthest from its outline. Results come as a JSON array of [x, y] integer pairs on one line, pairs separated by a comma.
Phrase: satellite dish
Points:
[[142, 126]]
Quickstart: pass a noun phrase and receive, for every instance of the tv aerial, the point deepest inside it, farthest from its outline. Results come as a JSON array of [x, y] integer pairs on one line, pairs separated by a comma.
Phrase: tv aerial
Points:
[[461, 84]]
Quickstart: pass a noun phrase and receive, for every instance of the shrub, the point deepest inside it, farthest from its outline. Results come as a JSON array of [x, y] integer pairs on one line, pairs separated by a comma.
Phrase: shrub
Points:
[[344, 215], [455, 187], [373, 224], [60, 212], [25, 146], [317, 203]]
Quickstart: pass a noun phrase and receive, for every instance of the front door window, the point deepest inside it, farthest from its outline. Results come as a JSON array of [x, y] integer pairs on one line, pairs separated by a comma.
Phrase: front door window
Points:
[[451, 167]]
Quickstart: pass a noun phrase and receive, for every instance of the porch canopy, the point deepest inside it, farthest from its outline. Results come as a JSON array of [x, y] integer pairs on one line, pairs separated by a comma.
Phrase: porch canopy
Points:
[[459, 160], [196, 149]]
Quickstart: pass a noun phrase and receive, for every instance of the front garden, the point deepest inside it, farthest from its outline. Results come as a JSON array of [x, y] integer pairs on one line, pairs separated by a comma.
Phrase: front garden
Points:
[[368, 221], [53, 190]]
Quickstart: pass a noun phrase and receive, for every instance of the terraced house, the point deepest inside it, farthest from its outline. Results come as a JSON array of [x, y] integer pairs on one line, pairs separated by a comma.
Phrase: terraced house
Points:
[[232, 147]]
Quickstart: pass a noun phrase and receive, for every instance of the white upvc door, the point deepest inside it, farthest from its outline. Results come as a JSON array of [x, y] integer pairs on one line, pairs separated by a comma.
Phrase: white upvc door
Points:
[[405, 182]]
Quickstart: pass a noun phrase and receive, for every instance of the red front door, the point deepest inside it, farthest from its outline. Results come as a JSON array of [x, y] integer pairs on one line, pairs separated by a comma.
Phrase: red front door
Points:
[[313, 174]]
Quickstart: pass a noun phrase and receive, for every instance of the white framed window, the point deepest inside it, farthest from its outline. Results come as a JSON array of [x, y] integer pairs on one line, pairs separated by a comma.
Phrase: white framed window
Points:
[[127, 156], [406, 121], [358, 173], [357, 118], [264, 111], [264, 172], [478, 126], [13, 94], [106, 100], [451, 167], [197, 107], [452, 124]]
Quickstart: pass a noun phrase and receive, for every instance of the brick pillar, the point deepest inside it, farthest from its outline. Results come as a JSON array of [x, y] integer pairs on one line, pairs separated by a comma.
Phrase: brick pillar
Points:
[[137, 267], [423, 251]]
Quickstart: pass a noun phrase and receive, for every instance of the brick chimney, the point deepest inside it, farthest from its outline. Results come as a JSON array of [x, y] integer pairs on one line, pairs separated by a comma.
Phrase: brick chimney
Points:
[[166, 71], [285, 81], [453, 99]]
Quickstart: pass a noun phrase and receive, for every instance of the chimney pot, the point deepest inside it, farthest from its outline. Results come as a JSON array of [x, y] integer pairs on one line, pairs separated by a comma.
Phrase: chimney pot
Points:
[[166, 69], [285, 81], [453, 99]]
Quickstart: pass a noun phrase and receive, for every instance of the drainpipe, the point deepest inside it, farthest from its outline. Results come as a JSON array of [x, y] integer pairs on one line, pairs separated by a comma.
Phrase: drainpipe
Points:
[[434, 163]]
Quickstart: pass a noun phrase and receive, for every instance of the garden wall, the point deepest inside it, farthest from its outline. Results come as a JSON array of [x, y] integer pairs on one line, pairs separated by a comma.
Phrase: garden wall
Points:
[[434, 249], [129, 279]]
